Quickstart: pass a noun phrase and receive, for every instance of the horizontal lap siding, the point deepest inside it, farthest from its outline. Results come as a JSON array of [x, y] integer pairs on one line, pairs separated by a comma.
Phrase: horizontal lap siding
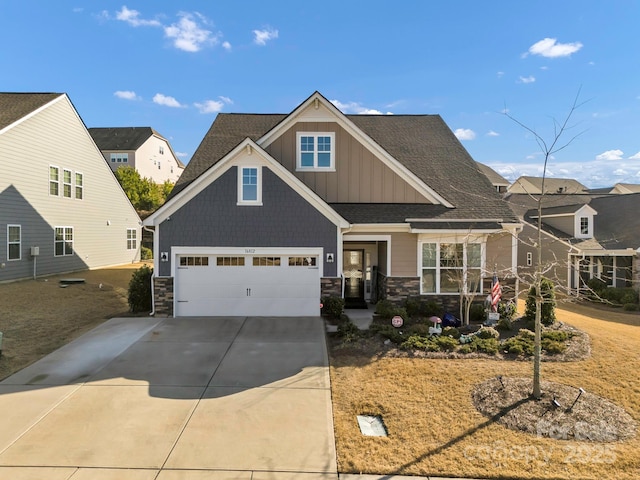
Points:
[[212, 219], [360, 176], [56, 136]]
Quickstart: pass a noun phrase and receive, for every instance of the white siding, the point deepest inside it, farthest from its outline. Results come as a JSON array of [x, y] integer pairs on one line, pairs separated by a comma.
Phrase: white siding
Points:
[[57, 136]]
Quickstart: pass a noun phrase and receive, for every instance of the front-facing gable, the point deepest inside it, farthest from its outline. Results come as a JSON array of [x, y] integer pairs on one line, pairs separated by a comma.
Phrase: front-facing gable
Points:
[[574, 220]]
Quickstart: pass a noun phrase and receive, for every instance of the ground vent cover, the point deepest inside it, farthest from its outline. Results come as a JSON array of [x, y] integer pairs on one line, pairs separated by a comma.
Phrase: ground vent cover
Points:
[[372, 426]]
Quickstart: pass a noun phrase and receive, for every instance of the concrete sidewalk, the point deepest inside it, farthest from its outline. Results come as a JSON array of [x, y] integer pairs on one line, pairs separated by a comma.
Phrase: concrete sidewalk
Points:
[[175, 399]]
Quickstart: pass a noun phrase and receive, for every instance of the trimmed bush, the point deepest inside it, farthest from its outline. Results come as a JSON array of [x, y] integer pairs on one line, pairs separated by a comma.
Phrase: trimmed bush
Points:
[[389, 332], [333, 307], [146, 253], [486, 345], [519, 345], [548, 314], [487, 332], [451, 332], [556, 335], [420, 343], [139, 294], [631, 307], [553, 347], [504, 325], [596, 284], [507, 310], [348, 331], [477, 313], [418, 329], [447, 344]]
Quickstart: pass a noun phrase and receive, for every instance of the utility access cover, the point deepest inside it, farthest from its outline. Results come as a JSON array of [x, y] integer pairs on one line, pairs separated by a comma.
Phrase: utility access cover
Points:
[[372, 426]]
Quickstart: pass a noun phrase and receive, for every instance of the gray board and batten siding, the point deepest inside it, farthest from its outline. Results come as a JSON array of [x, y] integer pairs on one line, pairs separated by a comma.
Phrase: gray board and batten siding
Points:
[[213, 219]]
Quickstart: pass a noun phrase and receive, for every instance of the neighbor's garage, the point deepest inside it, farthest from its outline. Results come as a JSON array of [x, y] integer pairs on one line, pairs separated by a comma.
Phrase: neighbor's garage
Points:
[[248, 284]]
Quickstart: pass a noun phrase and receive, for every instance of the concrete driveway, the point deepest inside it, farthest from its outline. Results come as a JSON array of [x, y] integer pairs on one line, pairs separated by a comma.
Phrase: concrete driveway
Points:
[[174, 399]]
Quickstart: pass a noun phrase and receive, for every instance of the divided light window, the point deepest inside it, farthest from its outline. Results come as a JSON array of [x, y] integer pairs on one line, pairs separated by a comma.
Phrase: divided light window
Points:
[[54, 181], [249, 186], [14, 242], [79, 186], [66, 183], [119, 158], [266, 261], [448, 267], [132, 239], [63, 242], [194, 261], [315, 151], [302, 261], [584, 225], [230, 261]]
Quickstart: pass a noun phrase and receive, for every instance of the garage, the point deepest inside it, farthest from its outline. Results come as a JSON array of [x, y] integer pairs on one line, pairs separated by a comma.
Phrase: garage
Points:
[[247, 282]]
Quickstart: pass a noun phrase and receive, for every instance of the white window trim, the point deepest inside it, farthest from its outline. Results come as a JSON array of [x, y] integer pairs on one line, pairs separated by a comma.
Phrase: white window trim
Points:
[[19, 242], [64, 241], [529, 259], [122, 157], [52, 181], [134, 239], [316, 168], [70, 183], [76, 186], [258, 200], [438, 242], [578, 226]]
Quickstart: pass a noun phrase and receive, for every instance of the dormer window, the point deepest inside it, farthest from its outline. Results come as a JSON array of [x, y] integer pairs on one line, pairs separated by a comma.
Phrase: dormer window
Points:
[[584, 225], [315, 151]]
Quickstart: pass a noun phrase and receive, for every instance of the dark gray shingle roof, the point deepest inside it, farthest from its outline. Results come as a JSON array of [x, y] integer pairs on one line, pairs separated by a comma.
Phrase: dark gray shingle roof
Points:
[[422, 143], [121, 138], [14, 106], [617, 224]]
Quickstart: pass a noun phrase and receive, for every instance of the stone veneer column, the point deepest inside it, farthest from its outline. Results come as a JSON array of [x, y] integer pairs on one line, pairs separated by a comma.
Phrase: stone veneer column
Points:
[[330, 287], [399, 288], [163, 295]]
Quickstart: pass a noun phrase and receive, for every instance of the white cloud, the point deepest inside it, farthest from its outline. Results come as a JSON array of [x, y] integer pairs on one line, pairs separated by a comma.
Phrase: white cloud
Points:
[[213, 106], [126, 95], [550, 48], [181, 154], [189, 35], [226, 46], [166, 101], [132, 17], [261, 37], [529, 79], [226, 100], [500, 74], [620, 172], [491, 133], [635, 157], [464, 134], [355, 107], [610, 155]]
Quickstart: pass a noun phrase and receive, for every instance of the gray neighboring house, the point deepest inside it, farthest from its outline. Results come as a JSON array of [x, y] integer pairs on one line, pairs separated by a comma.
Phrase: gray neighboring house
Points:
[[61, 207], [141, 148], [585, 236], [276, 211]]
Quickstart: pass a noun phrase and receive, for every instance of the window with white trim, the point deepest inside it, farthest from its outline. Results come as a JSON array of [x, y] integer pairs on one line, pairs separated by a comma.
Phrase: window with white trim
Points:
[[302, 261], [63, 241], [448, 267], [230, 261], [14, 242], [315, 151], [54, 181], [161, 150], [529, 259], [119, 158], [79, 186], [584, 225], [66, 183], [249, 186], [132, 239], [194, 261], [266, 261]]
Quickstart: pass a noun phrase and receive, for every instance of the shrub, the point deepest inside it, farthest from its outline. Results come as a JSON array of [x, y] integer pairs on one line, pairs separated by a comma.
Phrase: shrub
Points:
[[487, 332], [333, 306], [418, 308], [556, 335], [451, 332], [552, 347], [448, 344], [348, 331], [466, 349], [139, 294], [515, 348], [146, 253], [619, 295], [504, 325], [389, 332], [526, 334], [418, 329], [519, 345], [385, 308], [486, 345], [507, 310], [631, 307], [548, 314], [477, 313], [420, 343], [596, 284]]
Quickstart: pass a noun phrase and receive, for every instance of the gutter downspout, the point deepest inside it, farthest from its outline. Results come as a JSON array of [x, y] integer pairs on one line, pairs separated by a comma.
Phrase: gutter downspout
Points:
[[153, 294]]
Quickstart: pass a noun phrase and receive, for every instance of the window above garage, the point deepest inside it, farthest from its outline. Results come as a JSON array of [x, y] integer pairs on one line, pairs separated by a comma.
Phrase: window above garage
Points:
[[249, 185]]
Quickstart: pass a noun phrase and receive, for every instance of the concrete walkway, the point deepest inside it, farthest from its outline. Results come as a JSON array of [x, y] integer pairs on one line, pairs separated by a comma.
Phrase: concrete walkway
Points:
[[174, 399]]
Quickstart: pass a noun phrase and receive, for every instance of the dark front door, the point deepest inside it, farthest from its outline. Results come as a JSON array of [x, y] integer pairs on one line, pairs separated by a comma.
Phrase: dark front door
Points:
[[353, 276]]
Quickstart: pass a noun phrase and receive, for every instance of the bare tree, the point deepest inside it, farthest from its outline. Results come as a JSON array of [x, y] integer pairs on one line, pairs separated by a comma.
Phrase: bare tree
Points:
[[548, 149]]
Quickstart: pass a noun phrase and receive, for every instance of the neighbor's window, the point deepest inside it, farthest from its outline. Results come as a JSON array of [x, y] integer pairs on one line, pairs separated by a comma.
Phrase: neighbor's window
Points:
[[449, 267], [161, 150], [315, 151], [14, 242], [529, 259], [584, 225], [66, 183], [249, 188], [79, 186], [119, 157], [63, 242], [54, 181], [132, 239]]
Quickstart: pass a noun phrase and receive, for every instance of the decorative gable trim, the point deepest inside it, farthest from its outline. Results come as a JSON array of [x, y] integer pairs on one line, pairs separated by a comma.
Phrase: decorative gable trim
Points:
[[247, 152], [318, 109]]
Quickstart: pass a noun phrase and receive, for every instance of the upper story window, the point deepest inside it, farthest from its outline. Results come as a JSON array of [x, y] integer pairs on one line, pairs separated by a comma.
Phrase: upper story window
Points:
[[66, 183], [315, 151], [249, 186], [14, 242], [161, 150], [54, 181], [79, 186], [584, 225], [119, 158]]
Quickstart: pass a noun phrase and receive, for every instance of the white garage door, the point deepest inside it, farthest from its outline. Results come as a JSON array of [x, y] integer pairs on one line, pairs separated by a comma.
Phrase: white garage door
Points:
[[247, 285]]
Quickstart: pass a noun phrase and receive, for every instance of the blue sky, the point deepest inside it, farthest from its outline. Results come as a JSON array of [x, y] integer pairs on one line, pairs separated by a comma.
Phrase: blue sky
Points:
[[174, 65]]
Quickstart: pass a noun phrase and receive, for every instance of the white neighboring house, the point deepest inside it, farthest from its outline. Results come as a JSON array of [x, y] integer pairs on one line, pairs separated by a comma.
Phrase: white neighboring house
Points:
[[141, 148], [61, 207]]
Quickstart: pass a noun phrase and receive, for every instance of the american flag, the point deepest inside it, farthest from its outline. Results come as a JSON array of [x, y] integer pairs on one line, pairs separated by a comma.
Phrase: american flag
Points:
[[496, 293]]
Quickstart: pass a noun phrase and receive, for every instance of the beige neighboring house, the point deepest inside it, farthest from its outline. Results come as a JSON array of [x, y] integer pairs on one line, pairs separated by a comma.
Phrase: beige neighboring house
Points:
[[625, 188], [533, 186], [61, 207], [141, 148], [494, 177]]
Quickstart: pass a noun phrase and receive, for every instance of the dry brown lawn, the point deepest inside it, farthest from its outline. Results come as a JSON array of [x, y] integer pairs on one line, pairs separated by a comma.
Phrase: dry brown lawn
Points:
[[39, 316], [434, 428]]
